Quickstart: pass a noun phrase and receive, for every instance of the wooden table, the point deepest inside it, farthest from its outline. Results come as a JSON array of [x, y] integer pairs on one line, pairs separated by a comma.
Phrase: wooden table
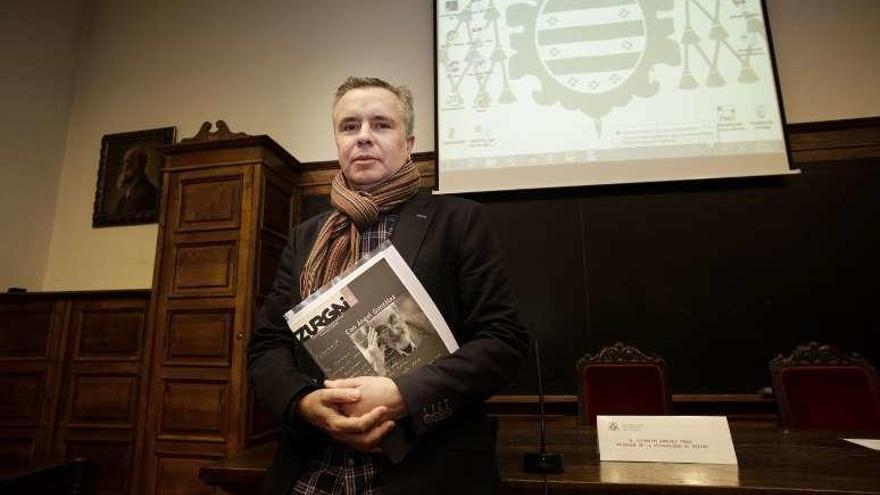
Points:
[[771, 461]]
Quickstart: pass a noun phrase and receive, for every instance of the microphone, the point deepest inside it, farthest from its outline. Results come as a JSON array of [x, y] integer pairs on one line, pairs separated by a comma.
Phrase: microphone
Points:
[[542, 462]]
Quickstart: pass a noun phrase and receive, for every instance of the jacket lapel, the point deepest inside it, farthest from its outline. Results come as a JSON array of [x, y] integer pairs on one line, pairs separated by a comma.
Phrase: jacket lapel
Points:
[[415, 217]]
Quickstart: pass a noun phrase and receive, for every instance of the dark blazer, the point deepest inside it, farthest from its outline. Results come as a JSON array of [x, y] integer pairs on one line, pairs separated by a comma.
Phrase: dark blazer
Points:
[[141, 198], [448, 244]]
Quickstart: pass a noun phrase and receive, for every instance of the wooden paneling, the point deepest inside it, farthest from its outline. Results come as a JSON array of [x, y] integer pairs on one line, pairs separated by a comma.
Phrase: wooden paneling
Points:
[[209, 203], [24, 330], [32, 335], [22, 397], [269, 257], [71, 382], [113, 334], [276, 209], [15, 453], [230, 206], [102, 400], [194, 410], [204, 267], [110, 463], [199, 326], [199, 337]]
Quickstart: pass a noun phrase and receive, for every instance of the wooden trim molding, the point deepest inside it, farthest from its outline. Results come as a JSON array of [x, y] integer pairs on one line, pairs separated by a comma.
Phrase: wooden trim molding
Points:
[[74, 294], [834, 140], [744, 407]]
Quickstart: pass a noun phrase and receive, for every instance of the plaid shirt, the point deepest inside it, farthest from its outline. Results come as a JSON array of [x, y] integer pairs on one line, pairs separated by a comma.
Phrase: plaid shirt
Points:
[[341, 470]]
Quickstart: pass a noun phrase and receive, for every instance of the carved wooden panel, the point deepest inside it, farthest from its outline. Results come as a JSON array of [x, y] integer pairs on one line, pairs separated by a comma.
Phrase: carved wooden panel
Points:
[[22, 396], [110, 463], [31, 332], [267, 263], [15, 454], [204, 268], [276, 209], [224, 198], [180, 476], [25, 333], [194, 409], [102, 400], [199, 337], [71, 382], [109, 333], [209, 203], [101, 396]]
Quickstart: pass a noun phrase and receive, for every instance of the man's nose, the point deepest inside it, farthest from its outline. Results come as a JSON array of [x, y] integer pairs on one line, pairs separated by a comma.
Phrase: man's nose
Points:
[[365, 135]]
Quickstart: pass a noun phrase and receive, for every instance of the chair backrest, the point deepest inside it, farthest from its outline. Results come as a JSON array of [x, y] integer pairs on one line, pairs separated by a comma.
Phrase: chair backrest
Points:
[[621, 379], [817, 386]]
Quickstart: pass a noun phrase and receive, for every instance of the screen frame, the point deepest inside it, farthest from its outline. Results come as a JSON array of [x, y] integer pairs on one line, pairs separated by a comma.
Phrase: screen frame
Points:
[[780, 103]]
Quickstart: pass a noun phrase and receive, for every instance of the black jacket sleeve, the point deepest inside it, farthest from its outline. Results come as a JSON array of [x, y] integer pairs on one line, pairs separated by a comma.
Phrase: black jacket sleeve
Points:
[[493, 343], [277, 365]]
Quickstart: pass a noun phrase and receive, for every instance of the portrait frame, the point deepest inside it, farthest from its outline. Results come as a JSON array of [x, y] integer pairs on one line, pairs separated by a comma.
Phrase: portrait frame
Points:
[[129, 194]]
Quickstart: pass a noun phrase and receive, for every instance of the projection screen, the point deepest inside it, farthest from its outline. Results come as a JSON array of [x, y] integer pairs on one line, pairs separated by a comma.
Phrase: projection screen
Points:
[[549, 93]]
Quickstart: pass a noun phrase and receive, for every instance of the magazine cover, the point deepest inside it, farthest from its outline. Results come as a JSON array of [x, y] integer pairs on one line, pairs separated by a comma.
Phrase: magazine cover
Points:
[[375, 319]]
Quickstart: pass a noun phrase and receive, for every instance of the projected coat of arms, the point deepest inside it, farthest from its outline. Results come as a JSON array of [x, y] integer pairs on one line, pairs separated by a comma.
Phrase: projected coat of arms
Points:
[[589, 56]]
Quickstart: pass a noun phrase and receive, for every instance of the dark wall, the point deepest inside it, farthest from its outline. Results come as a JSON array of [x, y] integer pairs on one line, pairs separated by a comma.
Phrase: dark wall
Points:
[[717, 277]]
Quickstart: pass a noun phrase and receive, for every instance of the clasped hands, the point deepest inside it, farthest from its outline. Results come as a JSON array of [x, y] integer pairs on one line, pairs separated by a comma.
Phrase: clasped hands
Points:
[[357, 412]]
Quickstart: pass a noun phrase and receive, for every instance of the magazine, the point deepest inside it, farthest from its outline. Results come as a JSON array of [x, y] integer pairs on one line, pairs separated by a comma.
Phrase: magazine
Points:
[[375, 319]]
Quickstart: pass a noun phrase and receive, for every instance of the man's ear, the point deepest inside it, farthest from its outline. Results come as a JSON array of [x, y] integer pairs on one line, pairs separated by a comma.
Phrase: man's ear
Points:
[[410, 142]]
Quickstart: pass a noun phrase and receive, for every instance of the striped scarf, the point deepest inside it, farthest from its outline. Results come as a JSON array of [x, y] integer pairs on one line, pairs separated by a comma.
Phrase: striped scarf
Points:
[[338, 244]]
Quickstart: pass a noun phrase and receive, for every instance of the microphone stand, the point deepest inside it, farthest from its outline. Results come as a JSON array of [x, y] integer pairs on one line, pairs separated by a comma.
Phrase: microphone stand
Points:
[[542, 462]]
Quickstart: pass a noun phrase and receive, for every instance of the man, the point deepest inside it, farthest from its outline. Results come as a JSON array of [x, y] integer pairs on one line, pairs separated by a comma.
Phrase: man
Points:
[[331, 430], [138, 193]]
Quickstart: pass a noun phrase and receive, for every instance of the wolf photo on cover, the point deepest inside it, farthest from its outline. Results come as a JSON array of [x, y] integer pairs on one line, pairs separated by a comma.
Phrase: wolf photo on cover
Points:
[[397, 339]]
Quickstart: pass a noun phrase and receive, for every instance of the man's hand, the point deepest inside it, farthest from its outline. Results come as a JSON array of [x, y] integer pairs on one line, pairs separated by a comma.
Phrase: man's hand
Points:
[[323, 409], [375, 392]]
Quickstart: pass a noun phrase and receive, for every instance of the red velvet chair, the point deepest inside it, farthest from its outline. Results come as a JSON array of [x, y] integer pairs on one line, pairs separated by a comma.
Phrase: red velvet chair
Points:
[[622, 380], [817, 386]]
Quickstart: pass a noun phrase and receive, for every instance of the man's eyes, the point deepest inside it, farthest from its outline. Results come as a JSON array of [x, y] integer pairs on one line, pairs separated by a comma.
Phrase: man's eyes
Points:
[[355, 126]]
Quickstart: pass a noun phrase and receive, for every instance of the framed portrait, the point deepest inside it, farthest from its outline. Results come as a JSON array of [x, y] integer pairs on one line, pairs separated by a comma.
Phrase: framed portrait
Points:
[[129, 179]]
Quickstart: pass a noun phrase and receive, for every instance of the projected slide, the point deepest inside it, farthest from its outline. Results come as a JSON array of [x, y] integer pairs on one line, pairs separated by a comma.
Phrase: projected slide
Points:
[[548, 93]]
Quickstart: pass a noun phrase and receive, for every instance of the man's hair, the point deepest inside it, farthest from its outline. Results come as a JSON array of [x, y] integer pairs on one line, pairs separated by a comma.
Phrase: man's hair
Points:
[[403, 94]]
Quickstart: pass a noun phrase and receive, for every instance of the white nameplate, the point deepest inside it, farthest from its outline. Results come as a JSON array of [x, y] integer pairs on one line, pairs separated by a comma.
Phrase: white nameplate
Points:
[[697, 439], [871, 443]]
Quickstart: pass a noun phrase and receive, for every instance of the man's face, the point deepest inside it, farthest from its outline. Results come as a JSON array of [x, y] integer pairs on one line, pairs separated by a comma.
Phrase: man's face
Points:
[[371, 140], [132, 167]]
